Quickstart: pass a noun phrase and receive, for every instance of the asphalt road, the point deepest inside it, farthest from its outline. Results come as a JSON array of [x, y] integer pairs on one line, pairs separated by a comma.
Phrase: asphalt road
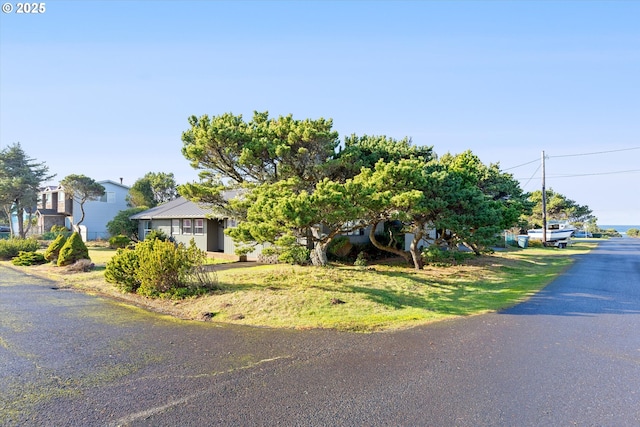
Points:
[[569, 356]]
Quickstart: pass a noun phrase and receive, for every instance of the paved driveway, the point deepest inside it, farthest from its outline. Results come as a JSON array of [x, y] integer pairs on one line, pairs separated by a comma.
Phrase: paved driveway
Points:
[[570, 356]]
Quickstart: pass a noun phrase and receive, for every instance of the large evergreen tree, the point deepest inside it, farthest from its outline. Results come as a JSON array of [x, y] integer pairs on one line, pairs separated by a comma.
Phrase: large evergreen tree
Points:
[[20, 180], [230, 153]]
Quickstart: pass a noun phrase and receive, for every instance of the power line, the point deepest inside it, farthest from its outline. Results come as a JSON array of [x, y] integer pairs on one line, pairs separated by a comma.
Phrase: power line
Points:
[[572, 155], [524, 164], [581, 175], [594, 174], [597, 152], [532, 175]]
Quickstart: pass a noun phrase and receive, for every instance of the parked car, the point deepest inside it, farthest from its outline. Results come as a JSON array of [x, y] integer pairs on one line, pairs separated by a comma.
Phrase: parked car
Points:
[[4, 229]]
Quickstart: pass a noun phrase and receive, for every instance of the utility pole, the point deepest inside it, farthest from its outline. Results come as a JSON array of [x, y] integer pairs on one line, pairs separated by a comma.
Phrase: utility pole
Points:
[[544, 205]]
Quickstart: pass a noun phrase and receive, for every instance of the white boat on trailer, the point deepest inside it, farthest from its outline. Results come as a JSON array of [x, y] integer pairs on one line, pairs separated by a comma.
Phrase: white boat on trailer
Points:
[[556, 231]]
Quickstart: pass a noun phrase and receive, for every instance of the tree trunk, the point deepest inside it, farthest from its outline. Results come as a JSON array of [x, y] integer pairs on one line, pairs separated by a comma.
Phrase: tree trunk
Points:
[[20, 217], [415, 250], [372, 237], [319, 254]]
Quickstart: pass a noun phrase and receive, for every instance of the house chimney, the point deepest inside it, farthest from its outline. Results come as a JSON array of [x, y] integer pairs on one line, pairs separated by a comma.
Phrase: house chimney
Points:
[[121, 181]]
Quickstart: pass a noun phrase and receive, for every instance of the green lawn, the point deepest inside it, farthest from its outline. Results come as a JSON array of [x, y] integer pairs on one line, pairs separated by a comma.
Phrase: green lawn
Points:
[[343, 297]]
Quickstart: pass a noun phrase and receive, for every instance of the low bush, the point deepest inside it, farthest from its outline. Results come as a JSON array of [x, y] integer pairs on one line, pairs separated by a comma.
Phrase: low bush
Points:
[[119, 241], [288, 250], [121, 270], [73, 250], [535, 244], [28, 258], [436, 255], [361, 260], [160, 268], [11, 248]]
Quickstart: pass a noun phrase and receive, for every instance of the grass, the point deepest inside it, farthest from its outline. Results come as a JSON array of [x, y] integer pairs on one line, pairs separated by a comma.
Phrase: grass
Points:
[[344, 297]]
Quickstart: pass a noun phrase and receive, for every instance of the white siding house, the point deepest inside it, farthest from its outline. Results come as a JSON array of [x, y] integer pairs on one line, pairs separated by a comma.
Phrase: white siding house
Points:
[[55, 208]]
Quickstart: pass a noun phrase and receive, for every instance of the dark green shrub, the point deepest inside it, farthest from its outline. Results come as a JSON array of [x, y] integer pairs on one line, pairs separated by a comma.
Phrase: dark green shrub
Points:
[[12, 247], [28, 258], [119, 241], [438, 256], [53, 250], [121, 224], [121, 270], [156, 235], [339, 247], [73, 250]]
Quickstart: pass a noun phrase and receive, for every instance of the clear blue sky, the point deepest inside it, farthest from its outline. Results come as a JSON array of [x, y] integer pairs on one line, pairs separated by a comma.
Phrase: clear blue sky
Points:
[[104, 88]]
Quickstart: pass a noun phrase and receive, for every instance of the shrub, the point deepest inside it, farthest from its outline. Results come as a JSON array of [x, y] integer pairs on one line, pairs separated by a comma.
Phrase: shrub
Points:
[[121, 224], [11, 248], [361, 260], [28, 258], [160, 268], [56, 230], [156, 235], [53, 250], [339, 247], [73, 250], [121, 270], [436, 255], [288, 250], [119, 241]]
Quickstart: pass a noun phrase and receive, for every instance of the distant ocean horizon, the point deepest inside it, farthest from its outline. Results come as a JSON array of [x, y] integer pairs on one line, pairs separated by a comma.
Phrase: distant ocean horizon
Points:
[[622, 229]]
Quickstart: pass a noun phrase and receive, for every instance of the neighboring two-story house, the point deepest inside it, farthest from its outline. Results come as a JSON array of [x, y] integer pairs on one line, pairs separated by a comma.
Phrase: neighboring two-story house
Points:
[[56, 208]]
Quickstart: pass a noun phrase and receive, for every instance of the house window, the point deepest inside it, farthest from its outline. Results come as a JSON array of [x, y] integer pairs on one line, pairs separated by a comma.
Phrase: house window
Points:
[[147, 228], [356, 232], [175, 227], [198, 226], [108, 197], [186, 226]]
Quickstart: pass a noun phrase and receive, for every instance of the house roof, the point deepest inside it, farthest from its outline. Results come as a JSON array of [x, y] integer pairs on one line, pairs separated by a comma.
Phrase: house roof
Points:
[[177, 208], [49, 212], [117, 184], [53, 188]]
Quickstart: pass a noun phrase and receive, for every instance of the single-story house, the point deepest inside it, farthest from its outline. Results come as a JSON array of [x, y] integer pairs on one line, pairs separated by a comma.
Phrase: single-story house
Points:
[[183, 220]]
